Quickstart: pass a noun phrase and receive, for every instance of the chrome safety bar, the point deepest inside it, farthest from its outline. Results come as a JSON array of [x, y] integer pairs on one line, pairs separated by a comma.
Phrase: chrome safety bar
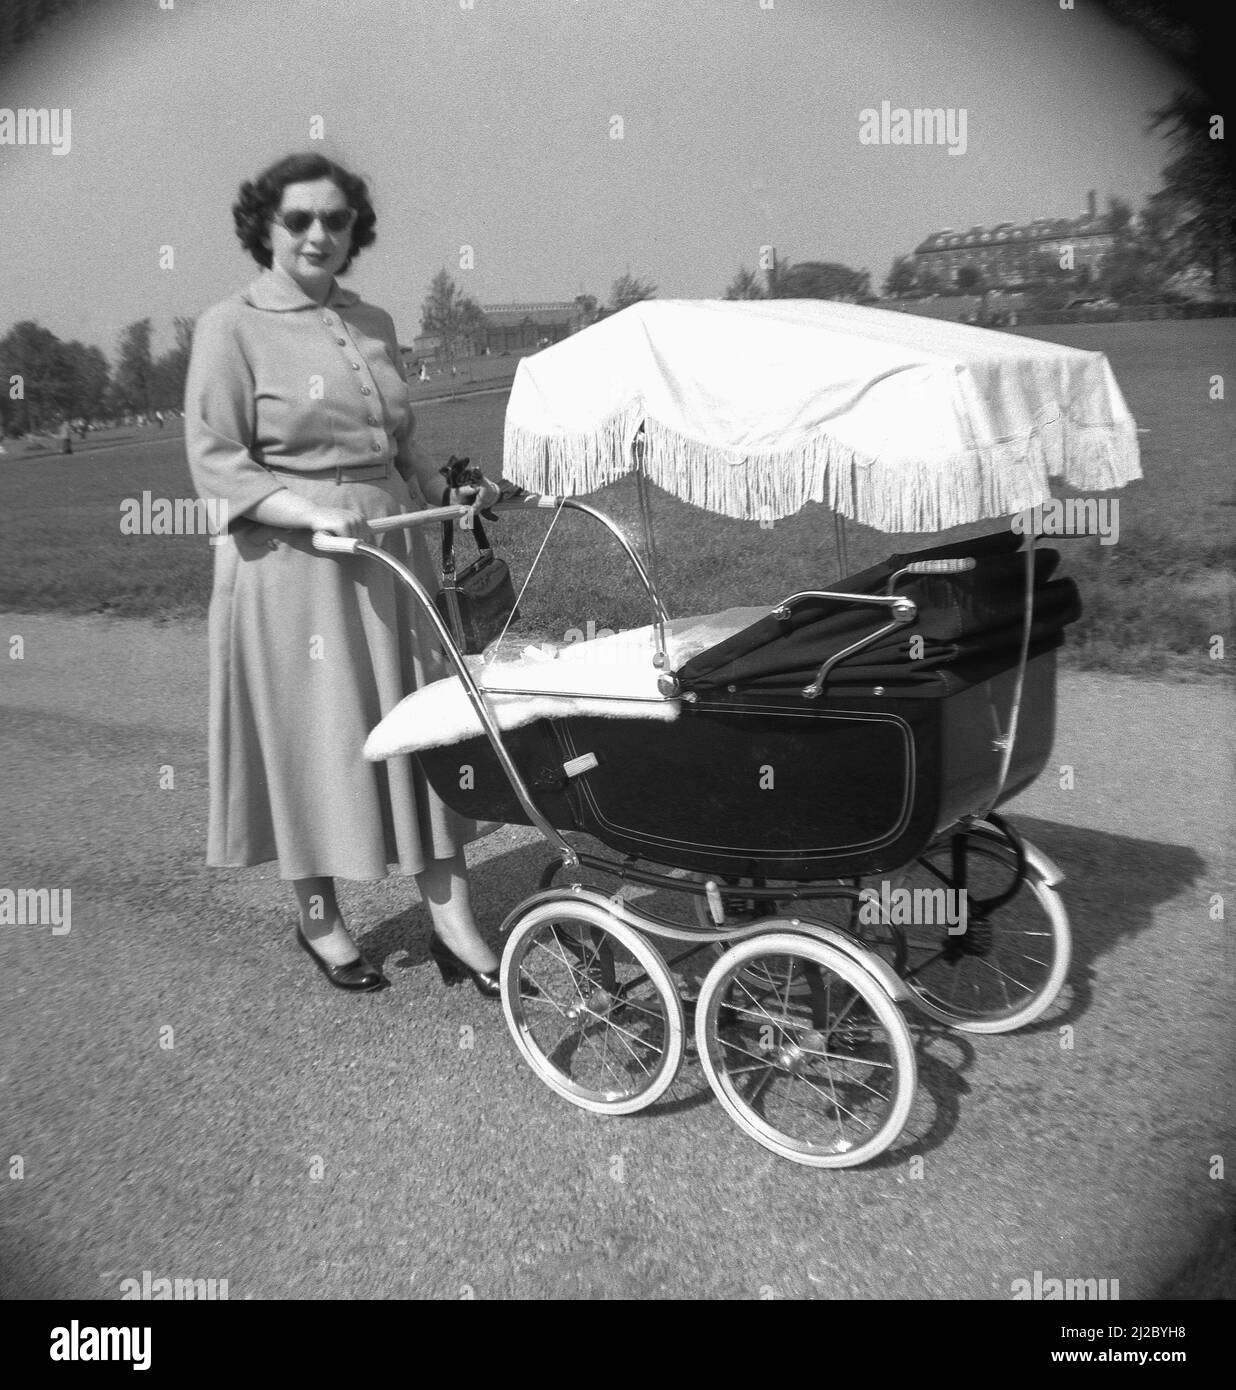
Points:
[[901, 612]]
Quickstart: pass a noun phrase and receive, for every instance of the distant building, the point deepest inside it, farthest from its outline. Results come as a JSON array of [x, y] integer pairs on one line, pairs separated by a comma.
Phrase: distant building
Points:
[[525, 327], [1005, 253], [510, 328], [425, 348]]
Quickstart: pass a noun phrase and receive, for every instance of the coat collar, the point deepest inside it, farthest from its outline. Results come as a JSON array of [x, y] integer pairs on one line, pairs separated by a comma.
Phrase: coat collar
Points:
[[271, 291]]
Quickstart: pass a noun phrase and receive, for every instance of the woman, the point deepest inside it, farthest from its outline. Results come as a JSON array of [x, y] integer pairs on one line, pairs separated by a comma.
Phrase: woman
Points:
[[297, 420]]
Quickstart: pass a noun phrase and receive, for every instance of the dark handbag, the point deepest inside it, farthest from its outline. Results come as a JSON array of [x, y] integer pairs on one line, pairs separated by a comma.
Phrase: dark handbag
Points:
[[475, 603]]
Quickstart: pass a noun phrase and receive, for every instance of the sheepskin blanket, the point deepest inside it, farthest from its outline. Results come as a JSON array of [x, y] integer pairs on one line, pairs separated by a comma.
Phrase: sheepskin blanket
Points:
[[609, 676]]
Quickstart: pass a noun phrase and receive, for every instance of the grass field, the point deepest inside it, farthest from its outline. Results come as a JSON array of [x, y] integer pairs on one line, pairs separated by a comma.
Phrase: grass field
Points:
[[1153, 600]]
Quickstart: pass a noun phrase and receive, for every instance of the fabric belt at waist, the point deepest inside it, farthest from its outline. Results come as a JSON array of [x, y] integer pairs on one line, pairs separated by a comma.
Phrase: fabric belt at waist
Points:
[[342, 473]]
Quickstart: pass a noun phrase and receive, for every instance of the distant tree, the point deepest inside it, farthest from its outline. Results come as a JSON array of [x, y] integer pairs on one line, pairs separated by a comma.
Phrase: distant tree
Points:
[[746, 284], [135, 378], [1134, 271], [183, 328], [627, 290], [1135, 268], [1190, 33], [1119, 217], [86, 377], [172, 368], [902, 277], [1199, 186], [929, 282], [163, 392], [1155, 233], [56, 380], [1047, 285], [971, 280], [823, 280], [36, 358], [452, 315], [21, 20]]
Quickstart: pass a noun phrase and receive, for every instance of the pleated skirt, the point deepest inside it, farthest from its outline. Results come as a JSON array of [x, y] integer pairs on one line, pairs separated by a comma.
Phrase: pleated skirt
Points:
[[308, 651]]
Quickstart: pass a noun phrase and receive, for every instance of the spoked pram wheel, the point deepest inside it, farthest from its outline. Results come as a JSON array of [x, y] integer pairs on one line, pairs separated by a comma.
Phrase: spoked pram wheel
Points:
[[805, 1049], [606, 1028], [1006, 969]]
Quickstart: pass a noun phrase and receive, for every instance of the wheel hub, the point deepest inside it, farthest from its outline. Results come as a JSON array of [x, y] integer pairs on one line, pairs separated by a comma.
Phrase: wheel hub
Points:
[[597, 1005], [790, 1058], [976, 940]]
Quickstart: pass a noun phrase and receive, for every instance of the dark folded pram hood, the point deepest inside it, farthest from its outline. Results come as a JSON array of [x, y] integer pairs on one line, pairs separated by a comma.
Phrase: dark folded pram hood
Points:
[[968, 627]]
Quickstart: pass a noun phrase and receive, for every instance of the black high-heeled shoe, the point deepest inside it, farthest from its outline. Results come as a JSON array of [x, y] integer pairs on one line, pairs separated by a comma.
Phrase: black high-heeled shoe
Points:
[[454, 971], [487, 982], [358, 975]]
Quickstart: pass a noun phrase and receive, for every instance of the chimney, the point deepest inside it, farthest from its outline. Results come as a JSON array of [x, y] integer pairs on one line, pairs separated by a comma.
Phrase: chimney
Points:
[[1092, 210]]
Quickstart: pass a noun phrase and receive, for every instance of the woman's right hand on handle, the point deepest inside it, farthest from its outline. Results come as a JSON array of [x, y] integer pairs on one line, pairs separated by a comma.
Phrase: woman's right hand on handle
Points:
[[289, 512], [336, 521]]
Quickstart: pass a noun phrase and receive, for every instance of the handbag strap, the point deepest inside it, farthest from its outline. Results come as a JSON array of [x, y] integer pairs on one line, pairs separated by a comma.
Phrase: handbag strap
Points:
[[448, 545]]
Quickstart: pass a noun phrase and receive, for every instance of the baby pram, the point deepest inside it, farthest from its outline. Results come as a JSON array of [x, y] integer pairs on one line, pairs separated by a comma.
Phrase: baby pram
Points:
[[820, 780]]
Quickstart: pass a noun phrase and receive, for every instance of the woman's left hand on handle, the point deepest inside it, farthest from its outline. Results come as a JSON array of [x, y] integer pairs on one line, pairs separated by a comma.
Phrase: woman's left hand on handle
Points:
[[475, 499]]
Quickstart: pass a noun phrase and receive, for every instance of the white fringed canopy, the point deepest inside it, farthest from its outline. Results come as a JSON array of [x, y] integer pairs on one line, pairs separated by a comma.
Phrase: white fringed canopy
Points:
[[753, 408]]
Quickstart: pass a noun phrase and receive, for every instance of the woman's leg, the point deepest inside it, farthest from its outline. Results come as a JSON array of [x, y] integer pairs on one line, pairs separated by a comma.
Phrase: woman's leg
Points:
[[321, 922], [444, 886]]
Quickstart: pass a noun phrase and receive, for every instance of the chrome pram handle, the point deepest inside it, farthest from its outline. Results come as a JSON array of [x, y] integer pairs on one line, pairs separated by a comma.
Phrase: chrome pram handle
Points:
[[346, 545], [338, 545], [422, 518]]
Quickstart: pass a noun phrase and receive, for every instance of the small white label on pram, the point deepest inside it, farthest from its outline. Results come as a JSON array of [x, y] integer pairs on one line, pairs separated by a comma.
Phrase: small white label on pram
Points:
[[584, 763]]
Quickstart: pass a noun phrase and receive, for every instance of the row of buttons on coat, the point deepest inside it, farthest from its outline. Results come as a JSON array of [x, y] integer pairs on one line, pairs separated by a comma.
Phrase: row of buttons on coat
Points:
[[357, 366]]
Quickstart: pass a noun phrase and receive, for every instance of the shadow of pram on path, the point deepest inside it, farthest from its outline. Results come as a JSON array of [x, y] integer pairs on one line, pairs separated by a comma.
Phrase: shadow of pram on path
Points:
[[1113, 888]]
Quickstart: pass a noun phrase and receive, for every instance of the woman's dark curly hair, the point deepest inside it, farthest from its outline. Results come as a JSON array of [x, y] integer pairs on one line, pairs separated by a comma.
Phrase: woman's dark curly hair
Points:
[[259, 201]]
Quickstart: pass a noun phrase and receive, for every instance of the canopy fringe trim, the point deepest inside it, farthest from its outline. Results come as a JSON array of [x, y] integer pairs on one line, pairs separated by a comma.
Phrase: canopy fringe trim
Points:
[[893, 496]]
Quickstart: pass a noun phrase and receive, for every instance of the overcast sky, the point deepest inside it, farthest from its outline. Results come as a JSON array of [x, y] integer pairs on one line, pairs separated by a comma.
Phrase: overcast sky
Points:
[[492, 126]]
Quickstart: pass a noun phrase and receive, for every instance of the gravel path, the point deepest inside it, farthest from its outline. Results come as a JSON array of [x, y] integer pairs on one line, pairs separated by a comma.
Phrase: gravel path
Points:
[[302, 1143]]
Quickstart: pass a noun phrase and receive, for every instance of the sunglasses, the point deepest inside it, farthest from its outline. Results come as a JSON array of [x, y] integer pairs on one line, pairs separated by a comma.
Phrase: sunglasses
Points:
[[298, 221]]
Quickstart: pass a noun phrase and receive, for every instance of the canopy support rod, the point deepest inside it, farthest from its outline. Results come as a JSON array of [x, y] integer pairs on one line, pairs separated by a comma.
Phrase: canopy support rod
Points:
[[843, 558], [660, 658], [1008, 739]]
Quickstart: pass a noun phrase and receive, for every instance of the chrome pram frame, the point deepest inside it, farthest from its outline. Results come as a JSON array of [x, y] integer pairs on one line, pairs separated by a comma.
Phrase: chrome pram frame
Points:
[[798, 1019]]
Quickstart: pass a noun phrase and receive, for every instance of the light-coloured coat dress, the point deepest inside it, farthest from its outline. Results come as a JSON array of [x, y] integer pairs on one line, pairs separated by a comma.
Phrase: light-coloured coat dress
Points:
[[308, 651]]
